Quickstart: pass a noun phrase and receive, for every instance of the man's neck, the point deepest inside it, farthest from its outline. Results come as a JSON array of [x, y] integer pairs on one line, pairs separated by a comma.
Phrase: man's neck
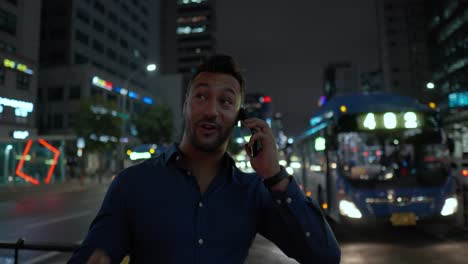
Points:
[[199, 158]]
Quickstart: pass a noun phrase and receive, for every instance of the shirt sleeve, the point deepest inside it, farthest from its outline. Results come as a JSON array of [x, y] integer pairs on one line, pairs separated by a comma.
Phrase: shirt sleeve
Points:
[[296, 225], [109, 231]]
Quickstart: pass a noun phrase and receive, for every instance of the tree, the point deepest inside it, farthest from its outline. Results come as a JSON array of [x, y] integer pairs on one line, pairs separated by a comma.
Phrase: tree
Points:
[[99, 122], [155, 125]]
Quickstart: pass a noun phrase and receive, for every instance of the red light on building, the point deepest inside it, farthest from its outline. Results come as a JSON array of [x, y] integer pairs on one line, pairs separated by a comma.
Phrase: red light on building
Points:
[[266, 99]]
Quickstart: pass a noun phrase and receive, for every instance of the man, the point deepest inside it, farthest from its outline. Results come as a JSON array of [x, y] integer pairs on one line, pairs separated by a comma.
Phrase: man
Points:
[[192, 205]]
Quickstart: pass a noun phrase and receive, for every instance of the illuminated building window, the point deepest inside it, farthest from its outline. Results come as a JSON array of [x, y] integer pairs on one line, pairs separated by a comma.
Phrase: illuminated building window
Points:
[[7, 22], [22, 81], [82, 15], [190, 30], [186, 2]]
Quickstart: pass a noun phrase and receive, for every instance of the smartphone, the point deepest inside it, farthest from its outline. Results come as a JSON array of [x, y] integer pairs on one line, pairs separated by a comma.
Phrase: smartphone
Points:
[[256, 147]]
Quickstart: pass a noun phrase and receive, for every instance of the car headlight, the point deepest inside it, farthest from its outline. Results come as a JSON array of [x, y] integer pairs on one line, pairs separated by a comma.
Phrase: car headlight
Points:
[[450, 206], [349, 209]]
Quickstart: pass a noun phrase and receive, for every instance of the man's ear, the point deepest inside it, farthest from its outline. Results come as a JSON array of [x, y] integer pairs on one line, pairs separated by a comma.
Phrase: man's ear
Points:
[[184, 108]]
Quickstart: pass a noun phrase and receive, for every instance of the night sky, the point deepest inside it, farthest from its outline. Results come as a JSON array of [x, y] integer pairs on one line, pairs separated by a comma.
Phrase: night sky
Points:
[[285, 45]]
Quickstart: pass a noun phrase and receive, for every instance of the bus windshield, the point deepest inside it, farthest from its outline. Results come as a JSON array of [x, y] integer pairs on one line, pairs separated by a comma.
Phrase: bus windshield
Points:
[[407, 157]]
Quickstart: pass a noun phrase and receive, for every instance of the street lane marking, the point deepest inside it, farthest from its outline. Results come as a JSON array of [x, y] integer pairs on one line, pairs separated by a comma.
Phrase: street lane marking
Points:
[[59, 219], [41, 258]]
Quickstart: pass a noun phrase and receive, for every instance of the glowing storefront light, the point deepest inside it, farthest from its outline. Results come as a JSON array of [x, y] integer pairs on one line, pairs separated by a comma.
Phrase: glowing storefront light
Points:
[[147, 100], [27, 106], [17, 134], [102, 83], [17, 66]]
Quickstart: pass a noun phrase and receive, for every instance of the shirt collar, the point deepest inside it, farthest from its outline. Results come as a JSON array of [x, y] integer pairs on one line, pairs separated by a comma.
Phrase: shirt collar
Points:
[[175, 156]]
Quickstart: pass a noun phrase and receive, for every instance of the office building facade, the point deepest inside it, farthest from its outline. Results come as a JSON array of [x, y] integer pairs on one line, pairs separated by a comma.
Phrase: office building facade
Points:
[[19, 55]]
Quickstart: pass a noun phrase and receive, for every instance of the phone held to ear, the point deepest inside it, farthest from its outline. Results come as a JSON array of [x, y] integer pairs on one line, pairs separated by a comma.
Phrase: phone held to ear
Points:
[[256, 147]]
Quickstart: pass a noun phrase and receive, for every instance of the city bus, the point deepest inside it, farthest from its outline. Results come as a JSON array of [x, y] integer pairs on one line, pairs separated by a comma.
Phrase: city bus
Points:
[[377, 156]]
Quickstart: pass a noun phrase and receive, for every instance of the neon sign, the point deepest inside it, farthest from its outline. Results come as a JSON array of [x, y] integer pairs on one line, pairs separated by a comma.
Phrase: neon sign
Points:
[[23, 106], [459, 99], [52, 164], [120, 90], [17, 66], [147, 100], [102, 83]]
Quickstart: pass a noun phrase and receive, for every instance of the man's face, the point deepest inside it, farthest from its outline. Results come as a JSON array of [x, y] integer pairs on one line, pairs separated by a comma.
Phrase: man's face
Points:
[[210, 110]]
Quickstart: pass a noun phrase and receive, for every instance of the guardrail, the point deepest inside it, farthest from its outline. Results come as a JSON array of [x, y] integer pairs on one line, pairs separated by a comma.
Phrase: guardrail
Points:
[[21, 244]]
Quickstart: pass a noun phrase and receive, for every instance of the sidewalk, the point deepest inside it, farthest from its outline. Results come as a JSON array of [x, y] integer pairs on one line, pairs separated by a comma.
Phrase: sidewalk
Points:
[[21, 191]]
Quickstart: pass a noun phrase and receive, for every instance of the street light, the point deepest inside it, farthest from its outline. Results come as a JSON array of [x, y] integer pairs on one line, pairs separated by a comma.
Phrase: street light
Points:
[[151, 67], [430, 85]]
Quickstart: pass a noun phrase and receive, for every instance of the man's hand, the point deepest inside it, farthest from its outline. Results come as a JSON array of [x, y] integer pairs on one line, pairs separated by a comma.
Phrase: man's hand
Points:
[[99, 257], [266, 163]]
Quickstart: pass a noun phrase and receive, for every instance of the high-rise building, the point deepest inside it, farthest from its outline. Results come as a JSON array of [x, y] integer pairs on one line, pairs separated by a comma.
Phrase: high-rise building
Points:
[[339, 78], [403, 48], [19, 55], [95, 48], [187, 34], [448, 43]]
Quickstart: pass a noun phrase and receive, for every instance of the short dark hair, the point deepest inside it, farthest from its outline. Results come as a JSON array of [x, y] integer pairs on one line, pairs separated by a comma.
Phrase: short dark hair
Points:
[[221, 63]]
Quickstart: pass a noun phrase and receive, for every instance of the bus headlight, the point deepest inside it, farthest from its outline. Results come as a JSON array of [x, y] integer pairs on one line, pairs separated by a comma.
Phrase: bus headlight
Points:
[[450, 206], [349, 209]]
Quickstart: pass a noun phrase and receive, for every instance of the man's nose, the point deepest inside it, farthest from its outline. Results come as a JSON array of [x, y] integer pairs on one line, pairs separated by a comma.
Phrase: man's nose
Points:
[[211, 108]]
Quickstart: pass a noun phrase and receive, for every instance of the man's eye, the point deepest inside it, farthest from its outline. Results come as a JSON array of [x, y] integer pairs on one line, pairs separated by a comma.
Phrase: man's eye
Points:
[[226, 101], [200, 96]]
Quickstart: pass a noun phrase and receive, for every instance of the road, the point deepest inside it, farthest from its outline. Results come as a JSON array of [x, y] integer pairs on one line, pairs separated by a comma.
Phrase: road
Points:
[[65, 217]]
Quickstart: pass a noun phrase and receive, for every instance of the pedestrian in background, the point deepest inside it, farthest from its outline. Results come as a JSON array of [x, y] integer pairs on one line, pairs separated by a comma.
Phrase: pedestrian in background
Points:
[[192, 205]]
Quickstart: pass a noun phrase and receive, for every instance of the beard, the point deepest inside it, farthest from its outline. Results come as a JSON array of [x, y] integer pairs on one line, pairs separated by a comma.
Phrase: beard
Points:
[[213, 142]]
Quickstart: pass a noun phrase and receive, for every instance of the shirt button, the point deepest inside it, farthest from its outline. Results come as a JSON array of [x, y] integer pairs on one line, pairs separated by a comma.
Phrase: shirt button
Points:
[[307, 234], [177, 157], [200, 204], [288, 200], [200, 241], [278, 201]]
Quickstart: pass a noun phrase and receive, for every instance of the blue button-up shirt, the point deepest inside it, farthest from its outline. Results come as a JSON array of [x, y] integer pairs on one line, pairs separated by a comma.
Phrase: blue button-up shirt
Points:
[[155, 212]]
